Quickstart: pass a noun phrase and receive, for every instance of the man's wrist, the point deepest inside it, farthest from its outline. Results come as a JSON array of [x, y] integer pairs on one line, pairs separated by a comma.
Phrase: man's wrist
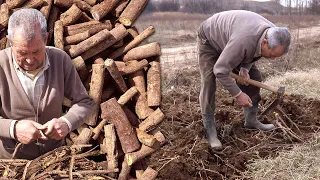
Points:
[[237, 94], [67, 121], [244, 69], [12, 129]]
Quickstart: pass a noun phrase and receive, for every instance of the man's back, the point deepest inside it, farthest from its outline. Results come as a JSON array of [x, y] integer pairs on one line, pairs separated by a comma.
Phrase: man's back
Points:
[[232, 25]]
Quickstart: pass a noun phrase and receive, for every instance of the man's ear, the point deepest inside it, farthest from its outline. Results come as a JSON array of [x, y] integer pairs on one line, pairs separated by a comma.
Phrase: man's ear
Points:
[[264, 42]]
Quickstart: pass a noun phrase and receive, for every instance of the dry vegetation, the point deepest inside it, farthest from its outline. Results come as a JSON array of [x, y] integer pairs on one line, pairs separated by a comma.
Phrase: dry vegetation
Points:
[[302, 162], [176, 28], [247, 154]]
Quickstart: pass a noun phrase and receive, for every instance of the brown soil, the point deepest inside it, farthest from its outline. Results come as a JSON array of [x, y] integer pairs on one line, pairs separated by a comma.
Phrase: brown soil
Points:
[[187, 155]]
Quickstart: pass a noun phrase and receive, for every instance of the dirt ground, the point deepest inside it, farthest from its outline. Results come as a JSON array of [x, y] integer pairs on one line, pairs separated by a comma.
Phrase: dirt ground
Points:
[[187, 155]]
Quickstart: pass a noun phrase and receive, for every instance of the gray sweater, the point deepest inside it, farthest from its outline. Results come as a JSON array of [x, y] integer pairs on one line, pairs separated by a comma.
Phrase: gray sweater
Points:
[[235, 35], [61, 79]]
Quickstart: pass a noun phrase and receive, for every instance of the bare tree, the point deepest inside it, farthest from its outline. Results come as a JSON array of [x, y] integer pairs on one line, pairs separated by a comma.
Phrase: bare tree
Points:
[[315, 6]]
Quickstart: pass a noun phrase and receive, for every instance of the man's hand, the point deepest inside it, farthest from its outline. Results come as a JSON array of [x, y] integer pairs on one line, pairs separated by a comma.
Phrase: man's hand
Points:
[[244, 73], [244, 100], [56, 129], [27, 131]]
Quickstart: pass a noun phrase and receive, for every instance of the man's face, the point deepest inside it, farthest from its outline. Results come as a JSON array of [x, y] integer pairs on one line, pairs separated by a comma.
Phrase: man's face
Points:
[[29, 55], [271, 53]]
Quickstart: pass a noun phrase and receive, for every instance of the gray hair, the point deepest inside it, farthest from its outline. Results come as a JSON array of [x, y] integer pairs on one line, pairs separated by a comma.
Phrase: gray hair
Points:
[[278, 36], [27, 19]]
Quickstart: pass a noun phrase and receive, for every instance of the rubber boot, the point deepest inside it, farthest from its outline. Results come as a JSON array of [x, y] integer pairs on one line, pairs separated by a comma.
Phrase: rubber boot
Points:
[[210, 127], [251, 121]]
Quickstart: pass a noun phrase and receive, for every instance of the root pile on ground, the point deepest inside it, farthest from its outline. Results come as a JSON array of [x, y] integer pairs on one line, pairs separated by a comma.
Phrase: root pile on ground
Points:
[[57, 164], [187, 155]]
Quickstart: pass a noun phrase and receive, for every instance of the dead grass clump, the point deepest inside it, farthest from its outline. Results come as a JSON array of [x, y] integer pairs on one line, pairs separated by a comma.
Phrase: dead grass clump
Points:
[[302, 162], [182, 79], [298, 82]]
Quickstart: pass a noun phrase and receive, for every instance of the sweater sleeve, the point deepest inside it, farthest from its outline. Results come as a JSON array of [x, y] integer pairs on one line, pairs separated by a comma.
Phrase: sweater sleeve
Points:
[[5, 126], [82, 103], [232, 55], [246, 65]]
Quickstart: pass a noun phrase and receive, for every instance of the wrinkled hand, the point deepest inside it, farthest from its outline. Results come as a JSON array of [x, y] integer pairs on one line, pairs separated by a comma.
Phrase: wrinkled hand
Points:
[[244, 100], [27, 131], [56, 129], [244, 73]]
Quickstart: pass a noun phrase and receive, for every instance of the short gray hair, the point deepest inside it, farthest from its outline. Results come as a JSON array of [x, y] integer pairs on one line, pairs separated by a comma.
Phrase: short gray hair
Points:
[[278, 36], [27, 19]]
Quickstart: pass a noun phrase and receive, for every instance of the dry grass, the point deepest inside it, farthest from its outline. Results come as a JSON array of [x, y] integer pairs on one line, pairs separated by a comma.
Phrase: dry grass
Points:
[[303, 83], [176, 27], [302, 162], [172, 28]]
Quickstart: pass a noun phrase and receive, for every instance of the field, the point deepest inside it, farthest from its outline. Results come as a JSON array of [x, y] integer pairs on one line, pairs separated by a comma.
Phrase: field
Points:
[[289, 152]]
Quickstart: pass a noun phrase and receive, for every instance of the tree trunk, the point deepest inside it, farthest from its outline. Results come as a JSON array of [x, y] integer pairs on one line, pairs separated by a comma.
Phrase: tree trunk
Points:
[[152, 121], [4, 18], [96, 86], [117, 33], [137, 78], [97, 130], [74, 39], [142, 108], [14, 3], [149, 174], [137, 40], [144, 151], [3, 39], [71, 15], [142, 52], [124, 98], [116, 75], [132, 11], [112, 111], [110, 144], [32, 4], [89, 43], [58, 35], [84, 136], [91, 2], [81, 67], [154, 84], [101, 10], [46, 8], [92, 26], [145, 138], [120, 7], [134, 121]]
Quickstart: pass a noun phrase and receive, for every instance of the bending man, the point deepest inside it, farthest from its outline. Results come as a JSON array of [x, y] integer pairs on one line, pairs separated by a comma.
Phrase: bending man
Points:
[[234, 41]]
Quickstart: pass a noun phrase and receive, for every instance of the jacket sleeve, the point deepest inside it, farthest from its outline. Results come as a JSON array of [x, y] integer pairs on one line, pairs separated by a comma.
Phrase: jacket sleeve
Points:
[[5, 125], [82, 103], [246, 65], [232, 55]]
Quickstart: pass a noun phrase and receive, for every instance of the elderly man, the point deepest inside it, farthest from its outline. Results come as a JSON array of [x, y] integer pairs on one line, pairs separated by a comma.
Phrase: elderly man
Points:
[[33, 82], [233, 41]]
